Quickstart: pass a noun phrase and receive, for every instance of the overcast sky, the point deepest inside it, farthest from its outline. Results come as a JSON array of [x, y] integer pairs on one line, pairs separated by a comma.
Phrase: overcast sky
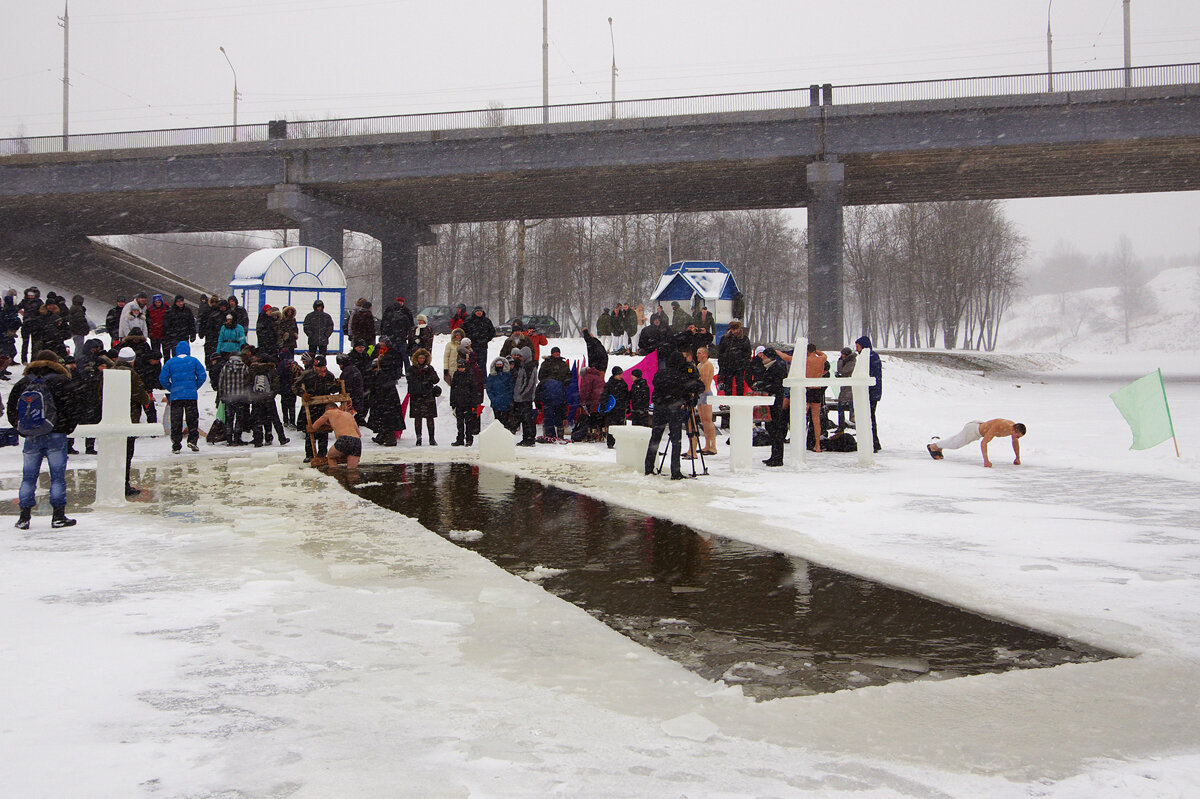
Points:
[[139, 64]]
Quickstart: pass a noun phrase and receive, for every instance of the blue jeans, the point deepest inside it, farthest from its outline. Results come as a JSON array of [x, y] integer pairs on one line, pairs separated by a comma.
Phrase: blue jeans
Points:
[[53, 447]]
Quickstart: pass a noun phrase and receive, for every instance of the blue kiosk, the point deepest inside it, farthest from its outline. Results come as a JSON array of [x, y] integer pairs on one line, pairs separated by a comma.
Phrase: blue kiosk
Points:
[[296, 276], [697, 283]]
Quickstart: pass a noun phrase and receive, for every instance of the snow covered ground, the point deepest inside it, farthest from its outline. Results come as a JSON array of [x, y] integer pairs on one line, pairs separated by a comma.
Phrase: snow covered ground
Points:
[[247, 628]]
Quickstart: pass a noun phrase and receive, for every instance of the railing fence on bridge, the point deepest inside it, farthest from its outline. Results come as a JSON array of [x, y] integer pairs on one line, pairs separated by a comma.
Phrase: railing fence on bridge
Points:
[[1020, 85]]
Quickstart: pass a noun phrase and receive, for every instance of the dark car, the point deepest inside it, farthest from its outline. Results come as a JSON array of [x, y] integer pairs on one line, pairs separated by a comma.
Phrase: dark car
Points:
[[539, 322], [438, 317]]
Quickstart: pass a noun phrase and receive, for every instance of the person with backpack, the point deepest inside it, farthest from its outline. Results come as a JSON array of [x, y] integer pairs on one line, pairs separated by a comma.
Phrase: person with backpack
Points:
[[233, 389], [264, 385], [43, 409], [181, 377]]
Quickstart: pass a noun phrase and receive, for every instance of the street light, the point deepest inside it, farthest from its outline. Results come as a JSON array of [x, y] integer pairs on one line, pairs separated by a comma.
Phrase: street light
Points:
[[612, 39], [235, 90], [1049, 50]]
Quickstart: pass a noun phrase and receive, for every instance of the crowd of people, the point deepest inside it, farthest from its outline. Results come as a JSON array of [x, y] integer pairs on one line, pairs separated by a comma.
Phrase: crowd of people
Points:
[[257, 387]]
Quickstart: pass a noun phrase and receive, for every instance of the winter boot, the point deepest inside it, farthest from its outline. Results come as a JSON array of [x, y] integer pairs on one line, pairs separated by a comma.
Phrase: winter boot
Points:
[[418, 439], [60, 518], [23, 520]]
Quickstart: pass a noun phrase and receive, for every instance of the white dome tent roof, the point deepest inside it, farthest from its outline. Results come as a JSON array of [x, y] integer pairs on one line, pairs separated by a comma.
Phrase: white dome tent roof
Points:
[[294, 267]]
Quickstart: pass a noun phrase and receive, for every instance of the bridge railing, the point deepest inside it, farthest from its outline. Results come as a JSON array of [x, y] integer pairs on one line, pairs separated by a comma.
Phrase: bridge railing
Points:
[[815, 95]]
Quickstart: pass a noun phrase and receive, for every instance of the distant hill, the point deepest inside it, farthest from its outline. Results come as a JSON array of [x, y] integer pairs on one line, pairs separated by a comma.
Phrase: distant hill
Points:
[[1090, 320]]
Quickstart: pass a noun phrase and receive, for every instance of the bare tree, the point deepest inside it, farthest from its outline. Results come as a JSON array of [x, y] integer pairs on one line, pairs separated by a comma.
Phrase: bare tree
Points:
[[1134, 299]]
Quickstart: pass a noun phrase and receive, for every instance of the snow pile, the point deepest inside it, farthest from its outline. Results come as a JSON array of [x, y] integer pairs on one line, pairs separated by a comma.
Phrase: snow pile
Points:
[[1092, 321]]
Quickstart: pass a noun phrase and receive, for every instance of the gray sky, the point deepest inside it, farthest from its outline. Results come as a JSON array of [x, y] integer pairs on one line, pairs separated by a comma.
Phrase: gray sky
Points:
[[139, 64]]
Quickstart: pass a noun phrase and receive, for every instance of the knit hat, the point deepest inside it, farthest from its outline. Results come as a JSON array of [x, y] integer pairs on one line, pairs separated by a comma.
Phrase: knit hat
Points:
[[126, 354], [46, 355], [466, 342]]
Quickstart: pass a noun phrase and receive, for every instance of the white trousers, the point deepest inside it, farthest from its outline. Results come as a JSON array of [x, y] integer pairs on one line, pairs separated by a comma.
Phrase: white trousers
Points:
[[969, 434]]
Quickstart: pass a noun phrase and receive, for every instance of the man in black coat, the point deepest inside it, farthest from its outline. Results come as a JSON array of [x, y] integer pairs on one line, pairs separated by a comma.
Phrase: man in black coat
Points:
[[618, 391], [267, 335], [771, 383], [652, 336], [674, 391], [179, 324], [480, 330], [317, 381], [397, 325], [733, 358], [318, 327], [597, 355]]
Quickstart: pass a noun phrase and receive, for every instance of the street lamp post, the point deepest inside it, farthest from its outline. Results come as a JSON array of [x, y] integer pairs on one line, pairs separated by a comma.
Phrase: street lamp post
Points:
[[613, 39], [235, 91], [1049, 50]]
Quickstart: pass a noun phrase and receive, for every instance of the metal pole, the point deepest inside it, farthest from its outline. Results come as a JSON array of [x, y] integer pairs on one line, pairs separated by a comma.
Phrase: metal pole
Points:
[[65, 21], [1049, 51], [235, 91], [1128, 49], [612, 39], [545, 62]]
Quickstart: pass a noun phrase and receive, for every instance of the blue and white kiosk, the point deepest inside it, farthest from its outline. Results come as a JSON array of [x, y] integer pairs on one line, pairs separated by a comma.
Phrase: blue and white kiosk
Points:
[[697, 283], [296, 276]]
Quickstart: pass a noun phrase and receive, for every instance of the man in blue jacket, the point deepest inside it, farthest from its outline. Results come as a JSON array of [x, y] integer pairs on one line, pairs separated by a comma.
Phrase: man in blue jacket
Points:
[[181, 377], [875, 391]]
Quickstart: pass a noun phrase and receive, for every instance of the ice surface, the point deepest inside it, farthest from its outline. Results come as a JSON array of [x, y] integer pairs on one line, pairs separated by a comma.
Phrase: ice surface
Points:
[[257, 631]]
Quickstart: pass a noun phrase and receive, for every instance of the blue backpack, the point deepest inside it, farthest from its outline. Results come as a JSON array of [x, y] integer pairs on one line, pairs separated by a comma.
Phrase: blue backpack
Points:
[[36, 415]]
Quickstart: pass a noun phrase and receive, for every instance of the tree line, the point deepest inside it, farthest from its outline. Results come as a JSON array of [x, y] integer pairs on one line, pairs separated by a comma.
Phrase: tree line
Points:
[[947, 270], [913, 274]]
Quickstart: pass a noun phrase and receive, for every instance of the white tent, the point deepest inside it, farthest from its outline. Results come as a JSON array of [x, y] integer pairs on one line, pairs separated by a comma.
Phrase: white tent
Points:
[[296, 276]]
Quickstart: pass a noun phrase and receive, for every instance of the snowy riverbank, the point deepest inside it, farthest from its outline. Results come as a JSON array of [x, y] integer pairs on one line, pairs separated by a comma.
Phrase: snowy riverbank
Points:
[[249, 628]]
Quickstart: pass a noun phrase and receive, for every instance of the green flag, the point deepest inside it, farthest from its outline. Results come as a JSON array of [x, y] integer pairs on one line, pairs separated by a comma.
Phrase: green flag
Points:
[[1143, 403]]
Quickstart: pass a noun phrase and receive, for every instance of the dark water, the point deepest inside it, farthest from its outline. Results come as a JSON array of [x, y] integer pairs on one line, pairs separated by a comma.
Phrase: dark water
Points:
[[775, 624]]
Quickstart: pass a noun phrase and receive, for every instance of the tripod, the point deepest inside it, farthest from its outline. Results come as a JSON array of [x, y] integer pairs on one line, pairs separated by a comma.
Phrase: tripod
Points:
[[693, 436]]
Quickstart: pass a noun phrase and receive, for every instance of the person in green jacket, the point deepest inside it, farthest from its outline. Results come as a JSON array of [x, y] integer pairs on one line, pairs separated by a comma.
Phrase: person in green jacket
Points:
[[680, 318], [604, 329]]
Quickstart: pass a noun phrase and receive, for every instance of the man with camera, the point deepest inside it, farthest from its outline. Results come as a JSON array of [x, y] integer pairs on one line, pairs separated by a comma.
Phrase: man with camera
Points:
[[676, 389], [771, 382]]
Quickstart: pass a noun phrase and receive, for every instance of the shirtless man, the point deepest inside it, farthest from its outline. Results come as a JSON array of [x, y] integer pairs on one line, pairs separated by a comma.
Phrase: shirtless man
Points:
[[347, 447], [976, 430]]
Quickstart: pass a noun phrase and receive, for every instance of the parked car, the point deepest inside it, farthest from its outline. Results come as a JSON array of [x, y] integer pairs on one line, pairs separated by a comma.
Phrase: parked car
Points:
[[540, 322], [438, 317]]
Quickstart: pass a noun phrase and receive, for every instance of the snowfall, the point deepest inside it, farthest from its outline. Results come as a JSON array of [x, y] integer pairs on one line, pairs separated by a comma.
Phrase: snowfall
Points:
[[248, 628]]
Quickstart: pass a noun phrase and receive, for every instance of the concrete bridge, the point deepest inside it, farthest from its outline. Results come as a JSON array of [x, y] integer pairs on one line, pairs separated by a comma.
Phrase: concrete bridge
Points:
[[1101, 132]]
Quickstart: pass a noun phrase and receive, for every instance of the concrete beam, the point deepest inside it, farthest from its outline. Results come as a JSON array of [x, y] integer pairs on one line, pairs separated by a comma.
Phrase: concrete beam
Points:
[[826, 181]]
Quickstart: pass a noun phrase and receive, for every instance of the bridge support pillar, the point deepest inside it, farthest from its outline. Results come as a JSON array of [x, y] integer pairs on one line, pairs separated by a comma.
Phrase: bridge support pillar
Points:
[[321, 224], [324, 233], [826, 180], [399, 272]]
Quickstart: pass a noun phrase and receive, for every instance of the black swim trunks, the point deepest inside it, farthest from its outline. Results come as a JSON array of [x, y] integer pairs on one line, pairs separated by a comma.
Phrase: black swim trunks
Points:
[[348, 445]]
